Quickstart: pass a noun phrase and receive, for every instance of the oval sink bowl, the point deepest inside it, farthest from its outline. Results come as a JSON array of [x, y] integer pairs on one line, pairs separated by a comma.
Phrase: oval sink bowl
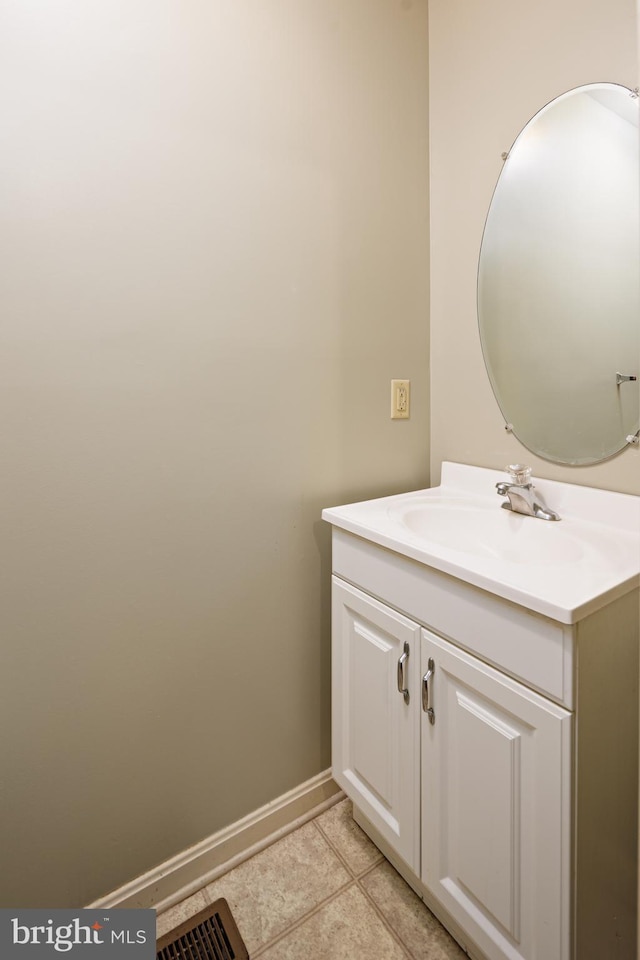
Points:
[[489, 532]]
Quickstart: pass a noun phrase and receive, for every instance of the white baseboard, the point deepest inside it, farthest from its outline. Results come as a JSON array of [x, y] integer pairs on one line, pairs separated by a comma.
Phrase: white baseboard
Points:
[[187, 872]]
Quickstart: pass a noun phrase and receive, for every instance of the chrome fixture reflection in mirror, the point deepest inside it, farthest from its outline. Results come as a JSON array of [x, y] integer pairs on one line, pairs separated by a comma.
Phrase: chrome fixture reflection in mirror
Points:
[[559, 278]]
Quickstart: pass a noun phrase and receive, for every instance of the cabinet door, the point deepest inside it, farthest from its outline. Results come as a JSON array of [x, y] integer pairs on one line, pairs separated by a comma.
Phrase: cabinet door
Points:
[[376, 728], [496, 780]]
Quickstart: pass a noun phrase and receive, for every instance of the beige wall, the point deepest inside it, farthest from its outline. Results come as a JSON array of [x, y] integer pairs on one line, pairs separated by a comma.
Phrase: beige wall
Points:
[[492, 66], [214, 259]]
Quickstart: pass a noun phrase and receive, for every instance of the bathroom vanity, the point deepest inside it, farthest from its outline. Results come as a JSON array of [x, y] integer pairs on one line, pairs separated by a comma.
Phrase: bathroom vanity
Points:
[[485, 708]]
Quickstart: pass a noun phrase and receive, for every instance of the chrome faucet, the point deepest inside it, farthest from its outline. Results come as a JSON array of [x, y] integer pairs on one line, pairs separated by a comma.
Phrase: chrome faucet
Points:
[[522, 495]]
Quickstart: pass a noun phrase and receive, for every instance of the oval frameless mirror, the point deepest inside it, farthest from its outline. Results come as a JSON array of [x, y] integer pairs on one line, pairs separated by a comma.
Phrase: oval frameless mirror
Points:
[[559, 278]]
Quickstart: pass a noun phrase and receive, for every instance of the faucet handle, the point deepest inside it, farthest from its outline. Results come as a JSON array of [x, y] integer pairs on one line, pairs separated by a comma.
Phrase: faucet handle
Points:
[[520, 474]]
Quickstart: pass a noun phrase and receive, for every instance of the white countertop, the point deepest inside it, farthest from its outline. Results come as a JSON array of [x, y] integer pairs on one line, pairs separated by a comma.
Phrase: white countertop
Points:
[[562, 569]]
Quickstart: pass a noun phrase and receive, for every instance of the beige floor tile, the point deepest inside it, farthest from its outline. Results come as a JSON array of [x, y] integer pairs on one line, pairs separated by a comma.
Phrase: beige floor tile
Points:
[[182, 911], [413, 922], [346, 928], [280, 885], [353, 844]]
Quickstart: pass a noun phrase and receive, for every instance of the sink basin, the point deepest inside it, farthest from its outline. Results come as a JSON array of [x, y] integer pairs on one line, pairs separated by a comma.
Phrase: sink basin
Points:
[[563, 569], [487, 531]]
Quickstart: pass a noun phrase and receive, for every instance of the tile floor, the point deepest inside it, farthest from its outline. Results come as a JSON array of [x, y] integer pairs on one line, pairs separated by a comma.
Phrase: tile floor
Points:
[[324, 892]]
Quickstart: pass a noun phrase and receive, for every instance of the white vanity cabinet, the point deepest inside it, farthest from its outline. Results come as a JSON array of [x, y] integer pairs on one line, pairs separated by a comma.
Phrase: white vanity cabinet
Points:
[[473, 795], [514, 813]]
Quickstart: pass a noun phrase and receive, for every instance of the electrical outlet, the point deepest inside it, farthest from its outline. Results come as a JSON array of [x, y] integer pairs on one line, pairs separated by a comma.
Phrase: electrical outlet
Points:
[[400, 399]]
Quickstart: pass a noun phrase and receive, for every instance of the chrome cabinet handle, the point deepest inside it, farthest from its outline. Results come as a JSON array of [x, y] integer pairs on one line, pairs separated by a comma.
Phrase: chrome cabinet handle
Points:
[[426, 693], [402, 682]]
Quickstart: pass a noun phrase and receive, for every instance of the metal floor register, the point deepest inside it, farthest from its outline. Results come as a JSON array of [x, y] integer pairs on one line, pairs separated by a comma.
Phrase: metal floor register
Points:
[[211, 934]]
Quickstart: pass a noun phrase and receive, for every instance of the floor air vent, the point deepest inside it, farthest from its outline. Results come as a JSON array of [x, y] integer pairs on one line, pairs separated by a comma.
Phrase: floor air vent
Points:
[[211, 935]]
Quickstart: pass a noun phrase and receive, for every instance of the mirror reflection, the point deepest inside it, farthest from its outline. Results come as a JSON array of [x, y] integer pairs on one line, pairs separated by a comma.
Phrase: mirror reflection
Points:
[[559, 278]]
